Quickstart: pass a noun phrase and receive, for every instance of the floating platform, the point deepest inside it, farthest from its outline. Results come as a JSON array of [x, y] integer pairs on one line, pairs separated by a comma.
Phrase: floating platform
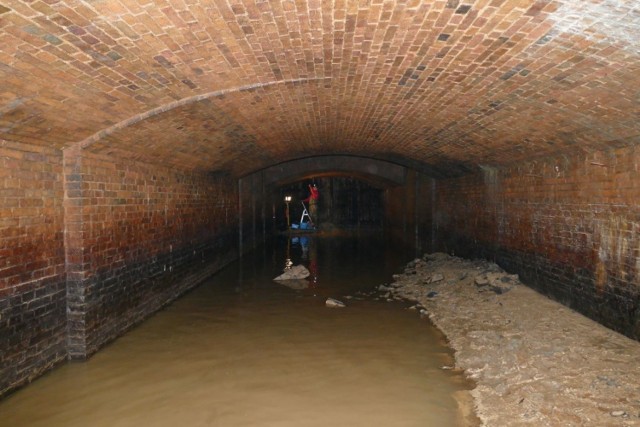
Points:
[[299, 231], [303, 226]]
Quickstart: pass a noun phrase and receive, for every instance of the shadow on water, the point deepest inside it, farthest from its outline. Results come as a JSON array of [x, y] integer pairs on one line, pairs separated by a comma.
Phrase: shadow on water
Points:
[[243, 350]]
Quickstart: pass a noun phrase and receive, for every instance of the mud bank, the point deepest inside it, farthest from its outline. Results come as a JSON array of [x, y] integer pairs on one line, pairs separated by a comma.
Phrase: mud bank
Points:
[[535, 361]]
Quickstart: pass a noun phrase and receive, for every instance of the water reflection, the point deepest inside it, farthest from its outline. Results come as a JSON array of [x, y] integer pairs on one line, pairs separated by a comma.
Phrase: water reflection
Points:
[[348, 262], [287, 262], [242, 350], [308, 255]]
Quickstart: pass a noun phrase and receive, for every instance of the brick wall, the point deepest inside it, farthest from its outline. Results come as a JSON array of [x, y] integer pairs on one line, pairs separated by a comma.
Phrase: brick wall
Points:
[[409, 211], [138, 236], [254, 214], [568, 225], [90, 246], [32, 281]]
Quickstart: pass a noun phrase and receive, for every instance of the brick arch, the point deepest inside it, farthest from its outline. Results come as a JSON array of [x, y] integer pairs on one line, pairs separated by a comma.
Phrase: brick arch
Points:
[[437, 82], [380, 173], [543, 94], [87, 142]]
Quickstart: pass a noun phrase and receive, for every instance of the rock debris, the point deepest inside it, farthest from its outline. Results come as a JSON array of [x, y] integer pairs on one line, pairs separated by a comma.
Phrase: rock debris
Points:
[[535, 362]]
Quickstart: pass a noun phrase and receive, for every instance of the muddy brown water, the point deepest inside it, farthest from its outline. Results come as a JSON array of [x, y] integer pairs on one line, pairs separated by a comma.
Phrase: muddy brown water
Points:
[[243, 350]]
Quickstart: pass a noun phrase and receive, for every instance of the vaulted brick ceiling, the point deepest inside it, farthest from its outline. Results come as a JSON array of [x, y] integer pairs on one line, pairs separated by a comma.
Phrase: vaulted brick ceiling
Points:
[[239, 85]]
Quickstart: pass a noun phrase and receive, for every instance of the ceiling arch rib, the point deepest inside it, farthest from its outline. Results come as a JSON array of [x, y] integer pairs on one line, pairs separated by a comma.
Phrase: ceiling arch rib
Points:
[[167, 108], [379, 172]]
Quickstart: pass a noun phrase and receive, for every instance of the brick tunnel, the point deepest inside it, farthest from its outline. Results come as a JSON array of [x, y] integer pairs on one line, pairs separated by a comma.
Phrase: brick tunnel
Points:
[[144, 145]]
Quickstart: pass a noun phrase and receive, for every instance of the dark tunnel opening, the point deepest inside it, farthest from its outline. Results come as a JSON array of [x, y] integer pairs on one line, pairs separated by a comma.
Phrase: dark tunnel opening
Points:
[[345, 203]]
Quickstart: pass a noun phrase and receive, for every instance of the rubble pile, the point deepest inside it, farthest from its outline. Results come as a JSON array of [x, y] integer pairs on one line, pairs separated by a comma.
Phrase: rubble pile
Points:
[[535, 361], [430, 274]]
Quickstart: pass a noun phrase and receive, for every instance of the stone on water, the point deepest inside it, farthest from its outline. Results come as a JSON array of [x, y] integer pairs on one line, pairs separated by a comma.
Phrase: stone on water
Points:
[[294, 273], [331, 302]]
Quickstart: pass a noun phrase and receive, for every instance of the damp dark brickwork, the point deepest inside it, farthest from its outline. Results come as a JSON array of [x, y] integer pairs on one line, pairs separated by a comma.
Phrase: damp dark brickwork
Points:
[[138, 236], [112, 300], [256, 211], [409, 211], [569, 225], [93, 245], [32, 275]]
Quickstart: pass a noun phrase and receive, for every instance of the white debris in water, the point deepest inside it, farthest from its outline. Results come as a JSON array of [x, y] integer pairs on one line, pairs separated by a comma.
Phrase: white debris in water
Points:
[[334, 303], [293, 273]]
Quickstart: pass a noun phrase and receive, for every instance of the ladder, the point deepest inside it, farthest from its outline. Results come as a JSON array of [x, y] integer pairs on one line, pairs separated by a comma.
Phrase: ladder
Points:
[[305, 213]]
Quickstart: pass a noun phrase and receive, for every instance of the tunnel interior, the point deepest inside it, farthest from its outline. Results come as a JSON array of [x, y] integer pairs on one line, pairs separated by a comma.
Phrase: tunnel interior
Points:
[[145, 145], [347, 203]]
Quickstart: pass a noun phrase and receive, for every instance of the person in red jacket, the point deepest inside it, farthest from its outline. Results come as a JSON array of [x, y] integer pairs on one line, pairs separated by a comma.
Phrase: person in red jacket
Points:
[[314, 194]]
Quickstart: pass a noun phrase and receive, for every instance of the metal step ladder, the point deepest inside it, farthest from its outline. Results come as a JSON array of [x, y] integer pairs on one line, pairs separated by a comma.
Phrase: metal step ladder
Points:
[[305, 213]]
